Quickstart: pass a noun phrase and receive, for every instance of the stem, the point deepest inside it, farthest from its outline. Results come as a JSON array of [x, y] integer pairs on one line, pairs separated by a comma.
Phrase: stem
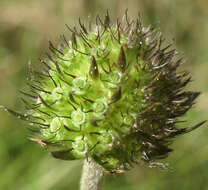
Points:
[[92, 175]]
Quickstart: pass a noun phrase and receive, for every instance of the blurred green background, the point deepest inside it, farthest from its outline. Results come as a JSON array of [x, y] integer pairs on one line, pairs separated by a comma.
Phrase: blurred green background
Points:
[[25, 28]]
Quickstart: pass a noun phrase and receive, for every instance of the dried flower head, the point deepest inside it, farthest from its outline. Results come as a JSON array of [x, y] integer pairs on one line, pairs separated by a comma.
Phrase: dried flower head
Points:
[[112, 93]]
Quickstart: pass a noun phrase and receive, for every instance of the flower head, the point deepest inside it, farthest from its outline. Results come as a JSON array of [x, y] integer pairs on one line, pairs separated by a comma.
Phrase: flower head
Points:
[[112, 93]]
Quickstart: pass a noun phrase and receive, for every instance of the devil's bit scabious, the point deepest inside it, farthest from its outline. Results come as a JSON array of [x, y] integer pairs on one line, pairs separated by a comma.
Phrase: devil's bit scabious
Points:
[[112, 93]]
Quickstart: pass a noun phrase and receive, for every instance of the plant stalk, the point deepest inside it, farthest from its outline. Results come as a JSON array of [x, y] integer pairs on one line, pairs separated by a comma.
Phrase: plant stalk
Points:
[[92, 175]]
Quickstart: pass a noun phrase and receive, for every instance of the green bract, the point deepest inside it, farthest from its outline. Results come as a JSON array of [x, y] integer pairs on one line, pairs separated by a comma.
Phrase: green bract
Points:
[[112, 93]]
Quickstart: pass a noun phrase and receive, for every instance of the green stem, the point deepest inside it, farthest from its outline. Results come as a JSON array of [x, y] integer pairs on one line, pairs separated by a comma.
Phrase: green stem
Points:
[[92, 175]]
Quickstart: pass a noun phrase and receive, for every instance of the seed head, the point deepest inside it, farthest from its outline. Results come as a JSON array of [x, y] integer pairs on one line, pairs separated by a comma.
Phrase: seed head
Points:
[[112, 93]]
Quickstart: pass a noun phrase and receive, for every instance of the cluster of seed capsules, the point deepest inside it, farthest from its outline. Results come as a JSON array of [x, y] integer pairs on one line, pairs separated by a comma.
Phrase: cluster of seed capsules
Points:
[[112, 93]]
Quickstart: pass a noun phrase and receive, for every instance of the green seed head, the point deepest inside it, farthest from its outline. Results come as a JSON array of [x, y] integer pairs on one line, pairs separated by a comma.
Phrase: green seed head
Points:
[[112, 93]]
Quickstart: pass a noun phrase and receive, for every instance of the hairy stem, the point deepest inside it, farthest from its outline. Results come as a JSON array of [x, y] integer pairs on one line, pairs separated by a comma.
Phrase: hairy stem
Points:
[[92, 175]]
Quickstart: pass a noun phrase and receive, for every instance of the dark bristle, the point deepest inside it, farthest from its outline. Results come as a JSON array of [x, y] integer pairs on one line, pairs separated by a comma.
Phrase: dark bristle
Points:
[[73, 76], [85, 40], [72, 98], [107, 20], [93, 72], [71, 30], [116, 96], [52, 80], [74, 40], [52, 48], [65, 41], [28, 95], [121, 62], [45, 64], [44, 102], [54, 61], [196, 126], [83, 27], [68, 129]]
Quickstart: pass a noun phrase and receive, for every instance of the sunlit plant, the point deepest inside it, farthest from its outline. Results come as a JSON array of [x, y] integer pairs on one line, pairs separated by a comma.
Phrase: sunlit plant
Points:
[[111, 95]]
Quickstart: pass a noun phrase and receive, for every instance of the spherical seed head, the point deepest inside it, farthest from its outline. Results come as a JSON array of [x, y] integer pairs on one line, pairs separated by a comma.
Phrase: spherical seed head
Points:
[[112, 93]]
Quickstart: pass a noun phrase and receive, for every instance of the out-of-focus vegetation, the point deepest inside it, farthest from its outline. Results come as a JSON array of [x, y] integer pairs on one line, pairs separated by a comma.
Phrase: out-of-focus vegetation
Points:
[[26, 27]]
